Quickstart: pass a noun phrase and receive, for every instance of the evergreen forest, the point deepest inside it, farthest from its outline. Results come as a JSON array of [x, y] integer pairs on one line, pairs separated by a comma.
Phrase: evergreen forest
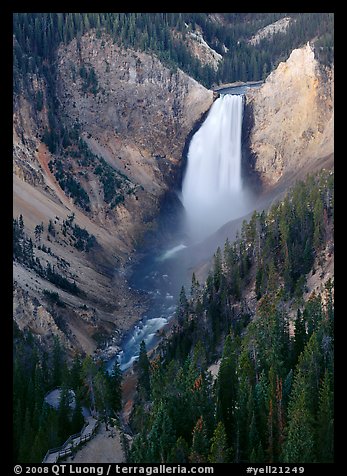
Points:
[[37, 36], [246, 373], [37, 426], [272, 399]]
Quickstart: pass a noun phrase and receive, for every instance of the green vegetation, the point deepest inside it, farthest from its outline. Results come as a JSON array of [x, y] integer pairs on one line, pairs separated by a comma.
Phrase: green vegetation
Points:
[[60, 281], [23, 247], [38, 427], [23, 252], [82, 240], [70, 185], [39, 34], [53, 297], [273, 397], [69, 144], [115, 184], [85, 241], [90, 81]]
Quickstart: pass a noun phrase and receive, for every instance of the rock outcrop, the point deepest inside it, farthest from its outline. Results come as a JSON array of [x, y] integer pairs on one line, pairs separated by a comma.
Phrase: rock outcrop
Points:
[[136, 116], [279, 26], [141, 108], [201, 50], [137, 120], [292, 115]]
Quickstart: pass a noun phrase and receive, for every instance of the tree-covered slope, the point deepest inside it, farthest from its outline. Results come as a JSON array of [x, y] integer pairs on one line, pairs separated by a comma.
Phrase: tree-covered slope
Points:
[[85, 209], [37, 36], [98, 133], [37, 425], [273, 337]]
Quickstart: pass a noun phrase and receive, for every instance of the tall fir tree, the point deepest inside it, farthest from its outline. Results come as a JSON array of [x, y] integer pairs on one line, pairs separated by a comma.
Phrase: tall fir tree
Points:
[[144, 383], [227, 388], [325, 421], [200, 446], [219, 451]]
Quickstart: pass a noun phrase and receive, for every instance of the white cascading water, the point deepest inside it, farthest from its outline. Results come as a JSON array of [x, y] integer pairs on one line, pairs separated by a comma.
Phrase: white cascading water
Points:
[[212, 187], [212, 194]]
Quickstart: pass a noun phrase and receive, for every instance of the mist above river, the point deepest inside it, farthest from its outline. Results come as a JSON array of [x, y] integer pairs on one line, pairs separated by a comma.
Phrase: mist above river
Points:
[[212, 189], [214, 201]]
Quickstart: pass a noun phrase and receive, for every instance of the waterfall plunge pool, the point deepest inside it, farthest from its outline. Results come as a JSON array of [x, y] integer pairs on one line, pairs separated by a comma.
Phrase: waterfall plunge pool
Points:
[[160, 276], [212, 195]]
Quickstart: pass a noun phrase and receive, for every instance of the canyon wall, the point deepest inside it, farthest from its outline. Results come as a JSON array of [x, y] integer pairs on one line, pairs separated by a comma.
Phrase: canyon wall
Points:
[[292, 117], [136, 121], [134, 117]]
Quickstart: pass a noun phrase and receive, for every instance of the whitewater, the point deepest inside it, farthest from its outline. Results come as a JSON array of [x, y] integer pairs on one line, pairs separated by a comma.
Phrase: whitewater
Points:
[[212, 191], [212, 194]]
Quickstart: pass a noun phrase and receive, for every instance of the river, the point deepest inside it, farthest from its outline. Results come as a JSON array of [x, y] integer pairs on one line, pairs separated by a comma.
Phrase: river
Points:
[[212, 195], [160, 275]]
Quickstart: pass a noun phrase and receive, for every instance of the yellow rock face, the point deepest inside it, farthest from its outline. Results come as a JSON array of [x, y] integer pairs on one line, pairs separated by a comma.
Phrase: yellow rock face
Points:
[[293, 117]]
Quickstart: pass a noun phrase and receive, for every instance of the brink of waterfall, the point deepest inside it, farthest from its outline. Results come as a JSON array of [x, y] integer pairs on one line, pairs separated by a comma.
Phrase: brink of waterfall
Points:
[[212, 191]]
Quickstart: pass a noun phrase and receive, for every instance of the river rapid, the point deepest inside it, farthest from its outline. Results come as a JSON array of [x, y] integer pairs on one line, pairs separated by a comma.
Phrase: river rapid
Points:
[[212, 195], [160, 276]]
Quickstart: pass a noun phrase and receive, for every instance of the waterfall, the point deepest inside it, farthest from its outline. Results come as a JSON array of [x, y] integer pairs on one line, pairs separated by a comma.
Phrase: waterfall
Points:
[[212, 191], [212, 194]]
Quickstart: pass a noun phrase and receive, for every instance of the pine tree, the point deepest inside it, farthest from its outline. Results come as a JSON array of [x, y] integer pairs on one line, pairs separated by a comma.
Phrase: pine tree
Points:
[[194, 287], [257, 455], [103, 397], [64, 414], [26, 440], [77, 419], [300, 336], [219, 452], [227, 388], [183, 306], [161, 438], [74, 379], [253, 439], [180, 452], [89, 371], [39, 392], [21, 224], [144, 385], [217, 269], [272, 279], [38, 231], [17, 427], [139, 450], [299, 444], [116, 387], [318, 223], [259, 282], [39, 445], [325, 421], [200, 446], [199, 359], [57, 364]]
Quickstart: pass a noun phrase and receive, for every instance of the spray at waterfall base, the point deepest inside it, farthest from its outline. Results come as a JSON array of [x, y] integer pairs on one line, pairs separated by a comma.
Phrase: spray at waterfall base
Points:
[[212, 189]]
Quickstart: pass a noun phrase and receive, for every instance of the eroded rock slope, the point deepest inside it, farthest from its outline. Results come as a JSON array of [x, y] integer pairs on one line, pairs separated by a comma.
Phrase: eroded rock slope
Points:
[[293, 118], [127, 118]]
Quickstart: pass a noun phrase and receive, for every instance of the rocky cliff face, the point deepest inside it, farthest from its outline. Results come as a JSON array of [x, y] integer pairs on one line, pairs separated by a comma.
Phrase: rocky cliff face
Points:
[[136, 119], [141, 108], [292, 116], [134, 114]]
